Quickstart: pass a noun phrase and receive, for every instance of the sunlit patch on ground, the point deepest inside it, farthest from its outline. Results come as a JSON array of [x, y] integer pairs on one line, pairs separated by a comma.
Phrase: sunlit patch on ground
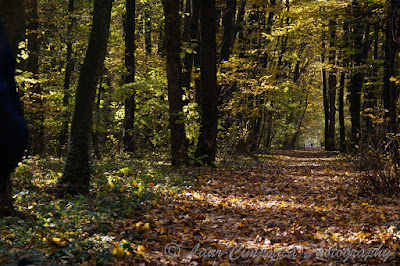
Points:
[[248, 213]]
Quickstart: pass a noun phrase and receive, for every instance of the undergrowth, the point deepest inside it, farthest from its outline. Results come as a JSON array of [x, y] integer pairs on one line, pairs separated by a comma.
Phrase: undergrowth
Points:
[[83, 228]]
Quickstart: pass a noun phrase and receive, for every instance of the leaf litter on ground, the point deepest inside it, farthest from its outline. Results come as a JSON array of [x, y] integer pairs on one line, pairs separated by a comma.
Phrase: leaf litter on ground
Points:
[[286, 208]]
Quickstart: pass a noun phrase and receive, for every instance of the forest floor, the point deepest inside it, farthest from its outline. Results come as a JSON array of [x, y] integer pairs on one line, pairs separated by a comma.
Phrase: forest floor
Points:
[[286, 208]]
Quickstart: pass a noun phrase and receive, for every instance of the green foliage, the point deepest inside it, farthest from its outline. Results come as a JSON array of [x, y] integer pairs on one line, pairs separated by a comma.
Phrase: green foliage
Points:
[[83, 228]]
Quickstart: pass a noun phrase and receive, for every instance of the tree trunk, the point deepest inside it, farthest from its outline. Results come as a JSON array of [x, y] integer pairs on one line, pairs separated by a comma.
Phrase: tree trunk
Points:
[[207, 144], [297, 133], [66, 114], [270, 125], [76, 177], [228, 22], [95, 132], [325, 102], [330, 142], [240, 19], [36, 117], [361, 47], [370, 99], [174, 76], [196, 56], [13, 15], [344, 58], [130, 105], [190, 34], [147, 27], [390, 90], [342, 132]]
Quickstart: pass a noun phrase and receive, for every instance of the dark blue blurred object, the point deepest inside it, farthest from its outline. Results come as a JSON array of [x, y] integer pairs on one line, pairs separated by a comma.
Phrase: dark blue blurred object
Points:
[[13, 130]]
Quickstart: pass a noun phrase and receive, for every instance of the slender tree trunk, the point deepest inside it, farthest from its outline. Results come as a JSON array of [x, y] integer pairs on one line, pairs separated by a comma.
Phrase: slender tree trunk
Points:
[[228, 22], [330, 143], [95, 132], [370, 101], [270, 125], [240, 19], [196, 56], [147, 27], [13, 15], [76, 177], [361, 47], [190, 33], [130, 105], [342, 132], [161, 42], [66, 114], [207, 144], [297, 133], [390, 90], [342, 85], [36, 118], [174, 76], [325, 102]]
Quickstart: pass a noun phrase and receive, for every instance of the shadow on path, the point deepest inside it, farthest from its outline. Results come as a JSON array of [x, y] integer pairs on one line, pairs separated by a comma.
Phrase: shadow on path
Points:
[[296, 208]]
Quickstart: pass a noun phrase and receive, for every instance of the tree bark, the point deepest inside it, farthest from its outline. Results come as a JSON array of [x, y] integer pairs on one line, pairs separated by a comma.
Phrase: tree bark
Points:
[[174, 76], [330, 142], [342, 132], [130, 104], [228, 22], [371, 90], [66, 114], [76, 177], [147, 27], [325, 97], [13, 15], [390, 90], [207, 144], [344, 58], [190, 34], [361, 46], [35, 117]]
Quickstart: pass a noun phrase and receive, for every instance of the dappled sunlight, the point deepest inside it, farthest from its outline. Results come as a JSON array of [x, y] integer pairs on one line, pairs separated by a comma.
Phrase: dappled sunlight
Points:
[[261, 213]]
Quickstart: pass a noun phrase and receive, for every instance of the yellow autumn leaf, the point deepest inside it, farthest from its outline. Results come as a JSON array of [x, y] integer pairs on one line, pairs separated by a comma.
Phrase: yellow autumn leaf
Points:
[[393, 79], [141, 250], [56, 239], [118, 251], [138, 224], [146, 226]]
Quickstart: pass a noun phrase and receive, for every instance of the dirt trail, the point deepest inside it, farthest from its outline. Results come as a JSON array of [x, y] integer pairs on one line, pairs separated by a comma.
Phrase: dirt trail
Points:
[[292, 208]]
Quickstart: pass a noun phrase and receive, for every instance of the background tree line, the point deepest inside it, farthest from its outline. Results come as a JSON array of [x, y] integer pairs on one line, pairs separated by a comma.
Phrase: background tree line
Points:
[[215, 76]]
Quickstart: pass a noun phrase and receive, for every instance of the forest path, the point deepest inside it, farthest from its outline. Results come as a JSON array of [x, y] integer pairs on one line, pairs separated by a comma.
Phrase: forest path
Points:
[[292, 208]]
